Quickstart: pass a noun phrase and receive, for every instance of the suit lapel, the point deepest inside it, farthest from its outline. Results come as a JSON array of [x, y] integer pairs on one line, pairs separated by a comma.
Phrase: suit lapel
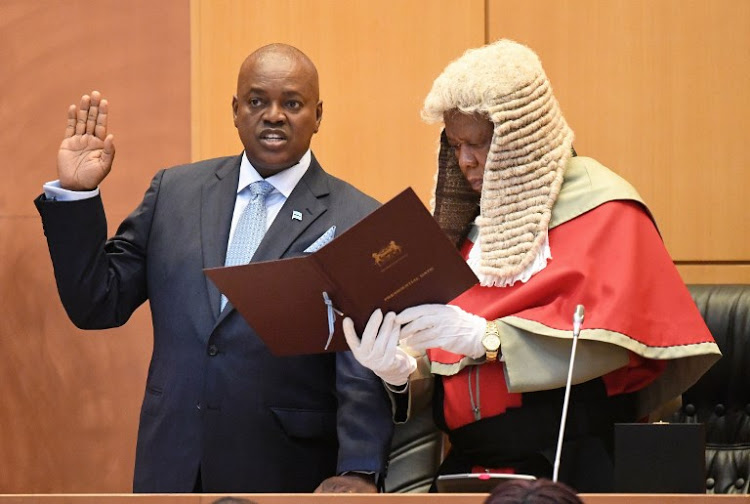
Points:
[[307, 197], [217, 205]]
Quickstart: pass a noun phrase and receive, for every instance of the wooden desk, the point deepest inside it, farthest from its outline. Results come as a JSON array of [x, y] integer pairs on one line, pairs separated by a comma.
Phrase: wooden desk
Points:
[[355, 498]]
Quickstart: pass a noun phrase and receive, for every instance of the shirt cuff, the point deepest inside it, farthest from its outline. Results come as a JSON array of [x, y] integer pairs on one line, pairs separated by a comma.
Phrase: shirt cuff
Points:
[[53, 191]]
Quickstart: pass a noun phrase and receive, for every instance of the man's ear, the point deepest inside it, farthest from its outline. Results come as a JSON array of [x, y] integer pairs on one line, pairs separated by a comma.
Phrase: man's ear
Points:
[[318, 115], [235, 104]]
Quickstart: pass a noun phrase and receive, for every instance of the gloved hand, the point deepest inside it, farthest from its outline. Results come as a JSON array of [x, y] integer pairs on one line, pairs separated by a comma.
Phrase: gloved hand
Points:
[[442, 326], [378, 349]]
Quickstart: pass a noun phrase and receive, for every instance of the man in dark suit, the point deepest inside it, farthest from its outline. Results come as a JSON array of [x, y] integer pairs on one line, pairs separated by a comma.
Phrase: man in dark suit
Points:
[[220, 413]]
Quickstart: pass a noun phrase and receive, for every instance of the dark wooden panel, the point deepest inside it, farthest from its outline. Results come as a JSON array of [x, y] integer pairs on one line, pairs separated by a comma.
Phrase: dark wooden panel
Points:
[[69, 399]]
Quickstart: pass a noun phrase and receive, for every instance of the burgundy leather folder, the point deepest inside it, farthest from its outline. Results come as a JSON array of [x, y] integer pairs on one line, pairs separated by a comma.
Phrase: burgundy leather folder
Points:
[[394, 258]]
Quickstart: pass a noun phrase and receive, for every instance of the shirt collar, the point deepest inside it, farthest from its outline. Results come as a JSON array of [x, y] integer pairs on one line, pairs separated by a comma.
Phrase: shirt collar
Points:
[[284, 181]]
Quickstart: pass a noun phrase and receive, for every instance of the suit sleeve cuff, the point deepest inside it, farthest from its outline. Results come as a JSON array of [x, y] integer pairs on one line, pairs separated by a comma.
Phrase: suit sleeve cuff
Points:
[[374, 477]]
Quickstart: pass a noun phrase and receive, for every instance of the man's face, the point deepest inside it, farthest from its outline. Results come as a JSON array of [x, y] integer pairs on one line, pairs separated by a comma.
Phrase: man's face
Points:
[[276, 110], [470, 136]]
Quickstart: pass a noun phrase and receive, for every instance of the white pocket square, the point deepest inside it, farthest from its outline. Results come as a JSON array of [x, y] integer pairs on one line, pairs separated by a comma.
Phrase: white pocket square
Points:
[[324, 239]]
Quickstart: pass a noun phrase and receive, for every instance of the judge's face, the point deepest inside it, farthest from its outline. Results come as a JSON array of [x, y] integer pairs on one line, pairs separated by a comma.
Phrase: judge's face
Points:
[[276, 110], [470, 136]]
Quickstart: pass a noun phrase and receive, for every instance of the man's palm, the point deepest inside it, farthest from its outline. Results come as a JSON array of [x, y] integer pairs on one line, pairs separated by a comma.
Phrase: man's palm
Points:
[[82, 162], [86, 153]]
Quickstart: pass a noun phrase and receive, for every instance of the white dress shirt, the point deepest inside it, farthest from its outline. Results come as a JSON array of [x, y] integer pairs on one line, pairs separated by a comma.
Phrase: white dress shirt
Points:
[[283, 183]]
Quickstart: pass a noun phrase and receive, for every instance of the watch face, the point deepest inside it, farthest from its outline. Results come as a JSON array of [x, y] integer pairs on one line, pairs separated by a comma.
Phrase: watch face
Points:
[[491, 342]]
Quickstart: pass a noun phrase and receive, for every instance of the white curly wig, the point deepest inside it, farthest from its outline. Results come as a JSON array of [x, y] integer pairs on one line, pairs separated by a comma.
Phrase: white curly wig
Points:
[[531, 144]]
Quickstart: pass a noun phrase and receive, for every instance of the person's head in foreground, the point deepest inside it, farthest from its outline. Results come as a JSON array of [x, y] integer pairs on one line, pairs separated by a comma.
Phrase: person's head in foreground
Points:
[[502, 155], [233, 500], [541, 491]]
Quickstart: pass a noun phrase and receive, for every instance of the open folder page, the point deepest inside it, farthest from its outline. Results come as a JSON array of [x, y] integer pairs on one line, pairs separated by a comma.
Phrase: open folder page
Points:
[[394, 258]]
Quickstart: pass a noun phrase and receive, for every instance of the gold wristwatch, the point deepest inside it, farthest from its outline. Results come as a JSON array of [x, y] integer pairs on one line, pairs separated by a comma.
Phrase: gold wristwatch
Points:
[[491, 341]]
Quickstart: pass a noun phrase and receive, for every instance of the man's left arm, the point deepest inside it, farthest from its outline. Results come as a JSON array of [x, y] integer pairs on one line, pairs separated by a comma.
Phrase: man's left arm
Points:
[[364, 426], [364, 423]]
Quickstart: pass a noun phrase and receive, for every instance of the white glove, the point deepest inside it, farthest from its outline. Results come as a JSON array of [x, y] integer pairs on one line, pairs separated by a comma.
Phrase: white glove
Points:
[[442, 326], [378, 349]]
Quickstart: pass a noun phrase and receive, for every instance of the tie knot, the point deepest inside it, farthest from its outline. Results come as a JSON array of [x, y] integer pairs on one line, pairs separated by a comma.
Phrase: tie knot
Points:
[[260, 188]]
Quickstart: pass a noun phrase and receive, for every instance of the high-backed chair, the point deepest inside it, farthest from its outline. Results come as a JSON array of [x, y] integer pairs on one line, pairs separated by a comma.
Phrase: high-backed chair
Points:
[[721, 398], [416, 453]]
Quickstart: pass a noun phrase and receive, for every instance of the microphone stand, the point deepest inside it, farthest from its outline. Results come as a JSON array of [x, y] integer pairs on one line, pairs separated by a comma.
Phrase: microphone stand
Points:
[[577, 322]]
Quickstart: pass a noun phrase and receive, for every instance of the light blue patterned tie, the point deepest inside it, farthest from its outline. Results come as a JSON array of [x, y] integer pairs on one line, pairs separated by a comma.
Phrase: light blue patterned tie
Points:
[[250, 229]]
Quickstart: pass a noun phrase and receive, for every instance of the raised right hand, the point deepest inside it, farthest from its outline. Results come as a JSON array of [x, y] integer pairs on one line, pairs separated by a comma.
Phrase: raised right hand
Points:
[[87, 151]]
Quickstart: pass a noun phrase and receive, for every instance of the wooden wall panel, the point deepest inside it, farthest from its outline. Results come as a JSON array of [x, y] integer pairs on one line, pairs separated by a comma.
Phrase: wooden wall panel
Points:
[[376, 62], [708, 273], [658, 91], [136, 53], [70, 399]]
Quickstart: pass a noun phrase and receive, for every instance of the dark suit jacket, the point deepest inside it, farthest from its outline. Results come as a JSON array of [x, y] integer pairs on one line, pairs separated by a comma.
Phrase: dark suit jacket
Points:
[[215, 397]]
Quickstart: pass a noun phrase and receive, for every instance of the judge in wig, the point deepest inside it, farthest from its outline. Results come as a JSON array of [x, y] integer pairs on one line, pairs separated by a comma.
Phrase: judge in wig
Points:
[[544, 230]]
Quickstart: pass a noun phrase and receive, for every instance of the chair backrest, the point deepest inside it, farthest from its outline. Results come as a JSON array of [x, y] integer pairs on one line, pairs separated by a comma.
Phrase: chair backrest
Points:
[[416, 453], [721, 398]]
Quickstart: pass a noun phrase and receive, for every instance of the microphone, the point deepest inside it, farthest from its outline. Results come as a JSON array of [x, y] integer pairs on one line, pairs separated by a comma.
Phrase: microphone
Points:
[[577, 323], [577, 320]]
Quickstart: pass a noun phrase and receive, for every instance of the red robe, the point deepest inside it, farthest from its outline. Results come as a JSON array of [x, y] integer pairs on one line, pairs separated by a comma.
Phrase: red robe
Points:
[[643, 341], [610, 259]]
